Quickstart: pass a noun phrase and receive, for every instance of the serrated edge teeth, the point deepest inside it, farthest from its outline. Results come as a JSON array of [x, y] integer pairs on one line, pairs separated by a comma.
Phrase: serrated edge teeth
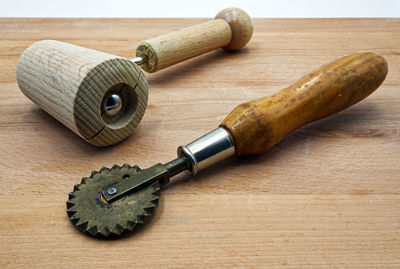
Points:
[[71, 195], [155, 202], [93, 228], [70, 204], [74, 219], [125, 165], [77, 187], [150, 207], [140, 219], [117, 229], [93, 173], [83, 181], [148, 211], [71, 212], [93, 231], [104, 169], [82, 224], [130, 225], [157, 191], [155, 197], [116, 166], [105, 231]]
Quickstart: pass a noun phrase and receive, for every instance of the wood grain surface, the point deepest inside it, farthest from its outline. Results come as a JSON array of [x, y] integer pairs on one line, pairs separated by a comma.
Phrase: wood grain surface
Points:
[[171, 48], [327, 196], [57, 77]]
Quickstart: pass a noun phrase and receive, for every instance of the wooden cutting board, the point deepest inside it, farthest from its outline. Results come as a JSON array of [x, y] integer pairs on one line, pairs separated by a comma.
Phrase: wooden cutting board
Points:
[[327, 196]]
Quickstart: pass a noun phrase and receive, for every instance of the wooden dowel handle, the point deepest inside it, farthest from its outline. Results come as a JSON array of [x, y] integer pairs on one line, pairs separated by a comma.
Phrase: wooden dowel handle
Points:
[[257, 125], [231, 29]]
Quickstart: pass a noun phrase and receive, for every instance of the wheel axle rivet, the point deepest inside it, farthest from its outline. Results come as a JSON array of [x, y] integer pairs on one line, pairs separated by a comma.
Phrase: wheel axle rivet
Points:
[[112, 191]]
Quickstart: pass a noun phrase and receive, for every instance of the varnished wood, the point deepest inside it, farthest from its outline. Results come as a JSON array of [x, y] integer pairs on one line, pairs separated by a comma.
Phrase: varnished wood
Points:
[[326, 196], [232, 29], [72, 83], [258, 125]]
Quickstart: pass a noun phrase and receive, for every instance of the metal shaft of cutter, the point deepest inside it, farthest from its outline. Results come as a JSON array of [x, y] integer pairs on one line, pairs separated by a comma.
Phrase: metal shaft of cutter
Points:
[[199, 154], [160, 172], [177, 166]]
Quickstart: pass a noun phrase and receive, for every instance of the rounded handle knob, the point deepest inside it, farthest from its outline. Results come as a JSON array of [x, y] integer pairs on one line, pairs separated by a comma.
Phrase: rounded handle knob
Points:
[[241, 26]]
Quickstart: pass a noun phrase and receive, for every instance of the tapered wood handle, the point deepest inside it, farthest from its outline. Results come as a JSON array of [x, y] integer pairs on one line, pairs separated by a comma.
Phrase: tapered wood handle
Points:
[[231, 29], [257, 125]]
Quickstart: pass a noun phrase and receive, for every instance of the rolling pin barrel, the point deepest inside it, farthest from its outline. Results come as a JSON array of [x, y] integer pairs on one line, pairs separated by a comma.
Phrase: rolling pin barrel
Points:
[[231, 29], [257, 125], [75, 85]]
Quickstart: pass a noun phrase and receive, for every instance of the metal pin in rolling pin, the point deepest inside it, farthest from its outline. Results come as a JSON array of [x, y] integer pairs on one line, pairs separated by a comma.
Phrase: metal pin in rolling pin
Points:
[[102, 97], [140, 60], [114, 103]]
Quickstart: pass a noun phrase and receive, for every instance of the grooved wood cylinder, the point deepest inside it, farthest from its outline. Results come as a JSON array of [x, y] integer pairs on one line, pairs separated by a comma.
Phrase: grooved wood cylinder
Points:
[[72, 84]]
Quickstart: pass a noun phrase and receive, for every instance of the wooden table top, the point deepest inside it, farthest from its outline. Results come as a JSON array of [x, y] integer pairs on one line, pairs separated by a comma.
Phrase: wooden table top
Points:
[[328, 195]]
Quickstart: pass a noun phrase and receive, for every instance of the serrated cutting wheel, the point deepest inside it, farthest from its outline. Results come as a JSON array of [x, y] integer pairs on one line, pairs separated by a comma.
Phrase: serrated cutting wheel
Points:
[[91, 213]]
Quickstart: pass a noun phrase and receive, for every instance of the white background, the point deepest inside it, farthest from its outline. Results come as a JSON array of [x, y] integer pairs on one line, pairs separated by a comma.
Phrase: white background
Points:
[[199, 8]]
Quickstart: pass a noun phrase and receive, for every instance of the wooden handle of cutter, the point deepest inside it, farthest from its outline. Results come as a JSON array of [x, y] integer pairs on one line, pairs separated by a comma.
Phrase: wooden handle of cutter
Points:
[[231, 29], [257, 125]]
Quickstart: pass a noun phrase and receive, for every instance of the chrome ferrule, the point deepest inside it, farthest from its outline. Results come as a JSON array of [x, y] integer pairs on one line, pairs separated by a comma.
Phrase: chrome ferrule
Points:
[[207, 150]]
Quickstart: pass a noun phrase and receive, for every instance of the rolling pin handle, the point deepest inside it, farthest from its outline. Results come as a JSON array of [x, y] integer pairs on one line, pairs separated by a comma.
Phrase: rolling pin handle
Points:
[[231, 29]]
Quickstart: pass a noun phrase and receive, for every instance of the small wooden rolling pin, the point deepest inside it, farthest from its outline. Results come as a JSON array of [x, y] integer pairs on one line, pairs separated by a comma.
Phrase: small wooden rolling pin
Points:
[[102, 97]]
